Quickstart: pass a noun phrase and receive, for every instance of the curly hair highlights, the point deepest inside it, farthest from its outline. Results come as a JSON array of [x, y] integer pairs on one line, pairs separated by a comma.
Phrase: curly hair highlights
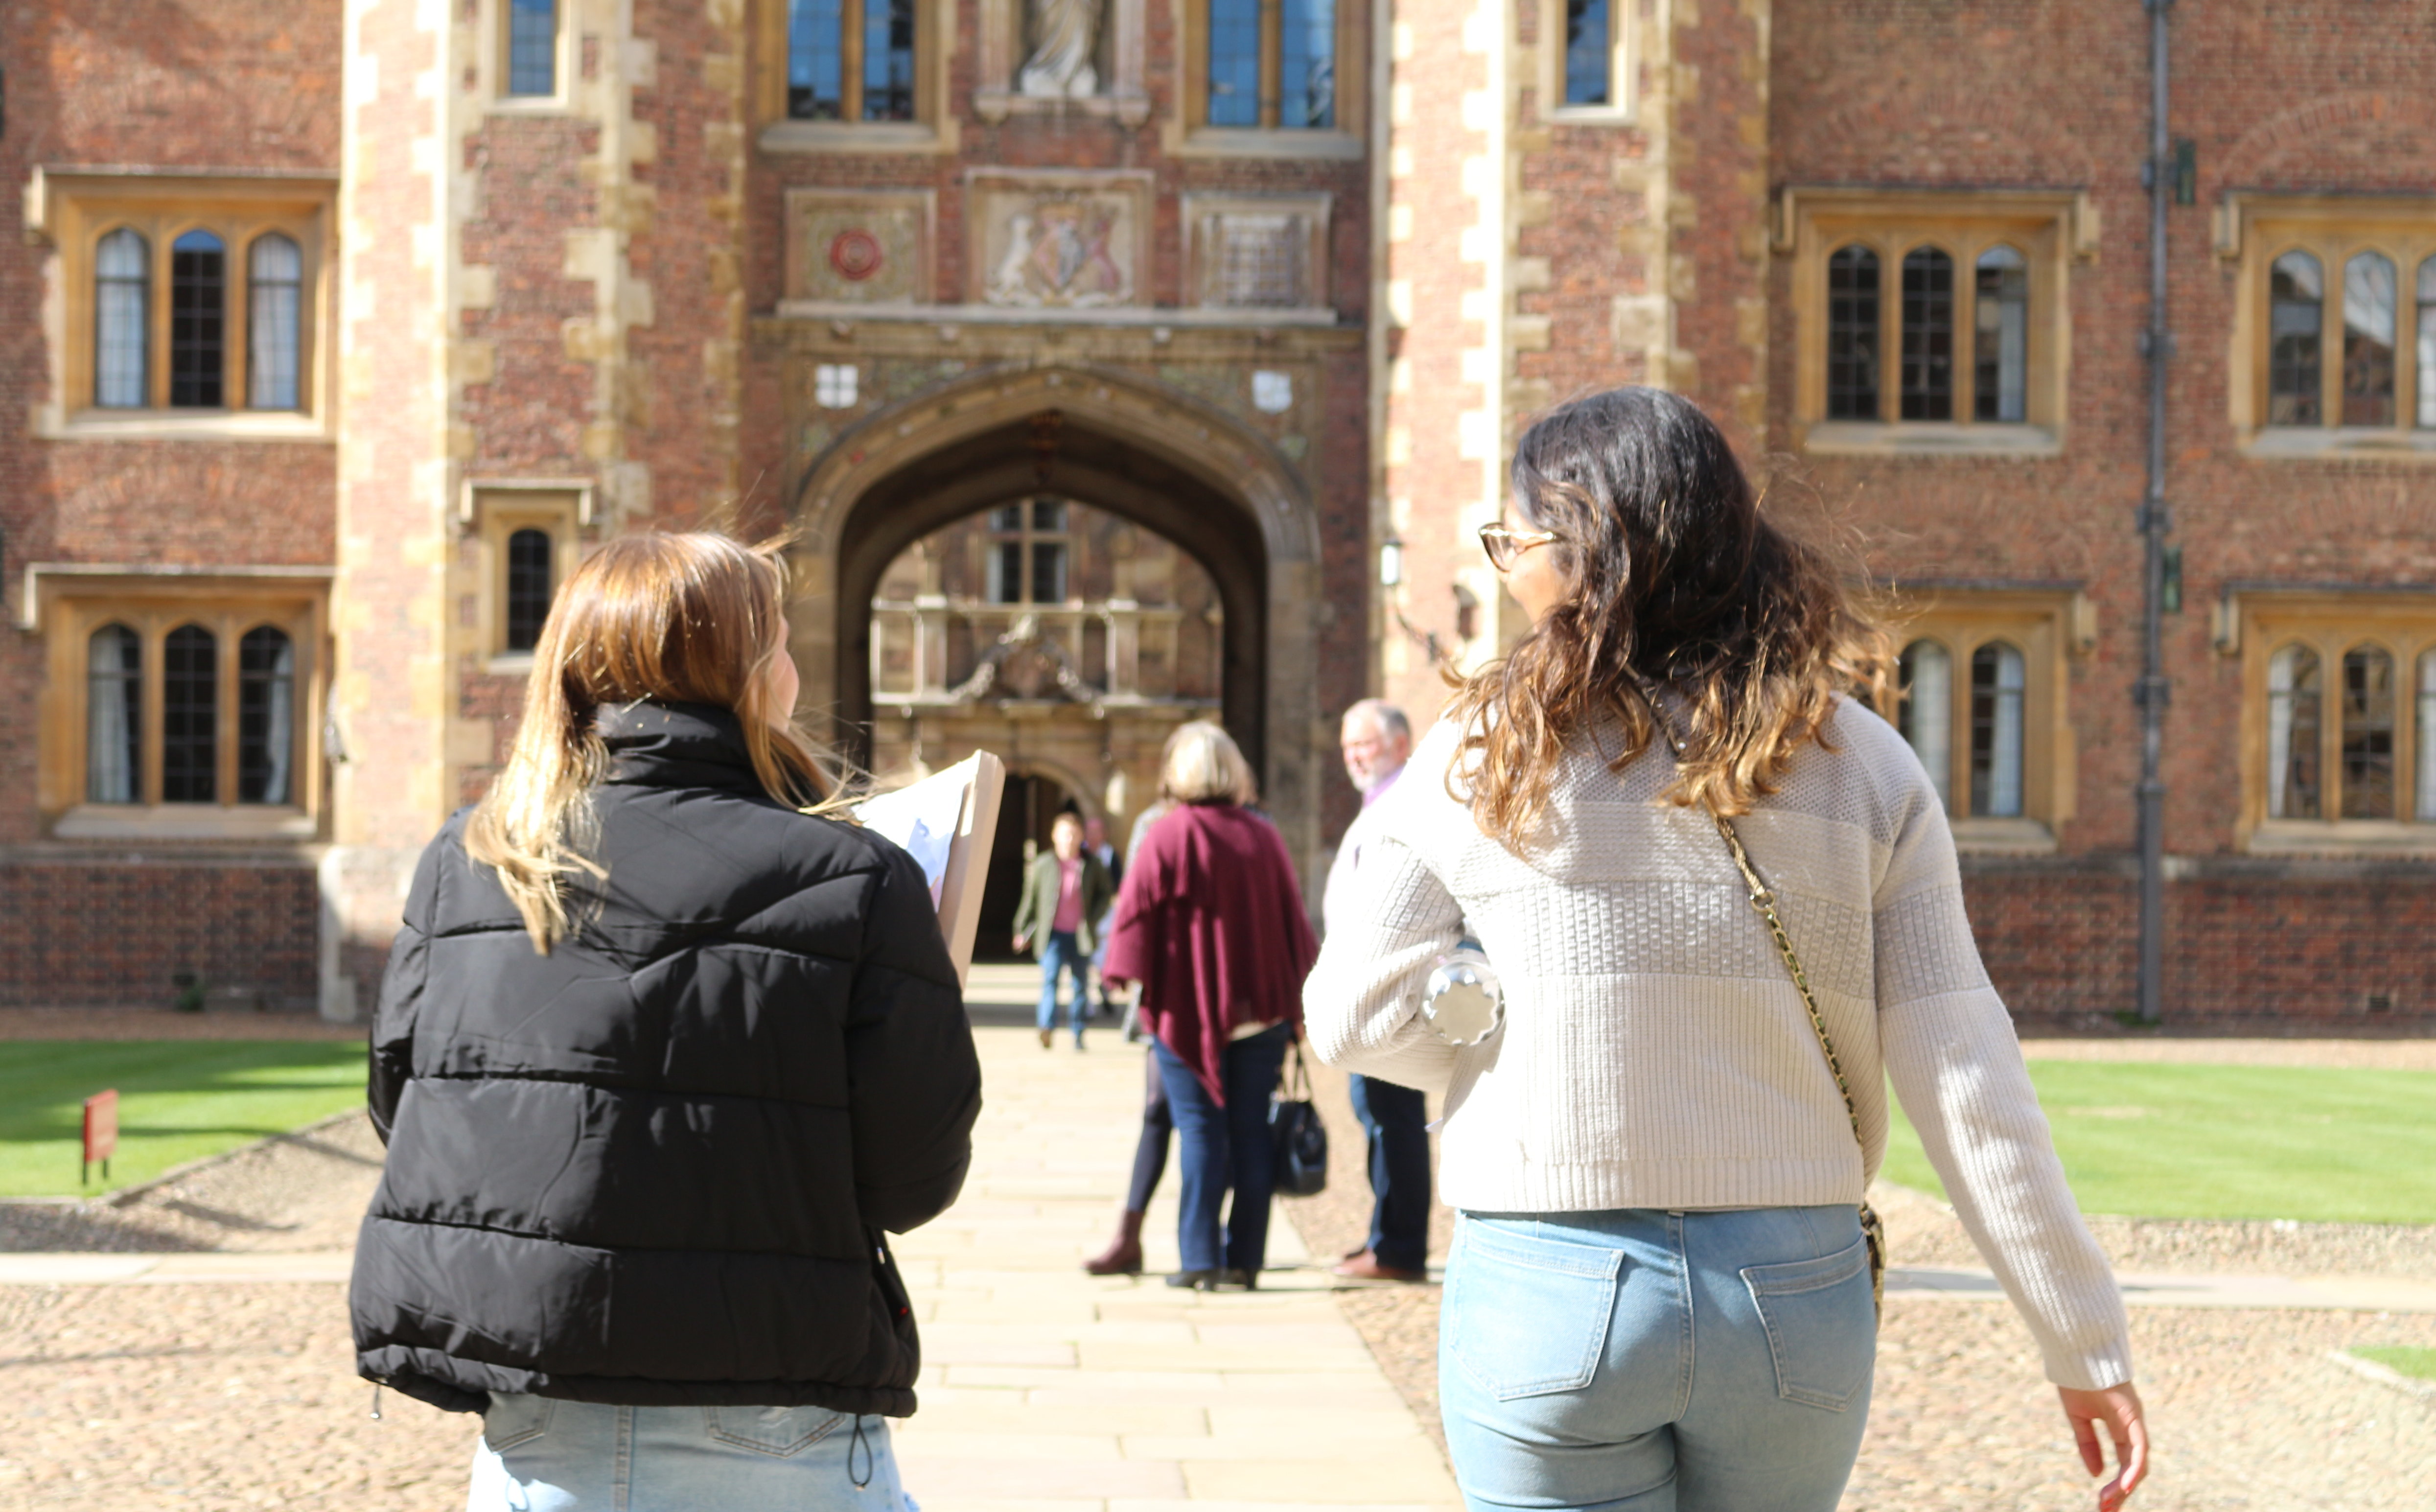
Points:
[[687, 617], [1678, 582]]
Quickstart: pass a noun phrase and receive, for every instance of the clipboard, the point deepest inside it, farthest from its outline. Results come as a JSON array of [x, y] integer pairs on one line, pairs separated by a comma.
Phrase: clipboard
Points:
[[949, 823]]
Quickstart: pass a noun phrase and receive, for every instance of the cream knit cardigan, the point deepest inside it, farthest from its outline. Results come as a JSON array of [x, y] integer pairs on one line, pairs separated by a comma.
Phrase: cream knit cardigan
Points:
[[1655, 1053]]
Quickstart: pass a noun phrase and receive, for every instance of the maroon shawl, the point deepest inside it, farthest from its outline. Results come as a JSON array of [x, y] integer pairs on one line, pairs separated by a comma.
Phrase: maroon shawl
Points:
[[1211, 921]]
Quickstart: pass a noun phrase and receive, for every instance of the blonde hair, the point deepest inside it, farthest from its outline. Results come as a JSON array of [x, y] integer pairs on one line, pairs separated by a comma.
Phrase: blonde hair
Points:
[[1202, 764], [674, 618]]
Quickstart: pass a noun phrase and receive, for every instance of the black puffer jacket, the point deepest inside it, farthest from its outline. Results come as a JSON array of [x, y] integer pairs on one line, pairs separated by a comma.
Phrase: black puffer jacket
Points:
[[653, 1165]]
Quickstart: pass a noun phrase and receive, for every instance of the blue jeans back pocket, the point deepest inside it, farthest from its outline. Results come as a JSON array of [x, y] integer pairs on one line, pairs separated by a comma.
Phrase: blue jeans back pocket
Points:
[[515, 1419], [1821, 1324], [1526, 1315], [780, 1430]]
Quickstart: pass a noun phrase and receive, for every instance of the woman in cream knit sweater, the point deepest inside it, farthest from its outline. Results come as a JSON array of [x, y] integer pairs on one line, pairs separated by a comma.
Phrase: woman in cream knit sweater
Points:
[[1660, 1297]]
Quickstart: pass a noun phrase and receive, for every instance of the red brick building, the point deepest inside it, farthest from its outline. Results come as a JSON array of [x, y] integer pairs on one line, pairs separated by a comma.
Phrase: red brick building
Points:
[[1111, 348]]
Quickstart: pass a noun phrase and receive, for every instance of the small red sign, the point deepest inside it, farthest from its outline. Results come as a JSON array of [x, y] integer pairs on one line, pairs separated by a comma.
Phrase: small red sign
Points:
[[101, 1132]]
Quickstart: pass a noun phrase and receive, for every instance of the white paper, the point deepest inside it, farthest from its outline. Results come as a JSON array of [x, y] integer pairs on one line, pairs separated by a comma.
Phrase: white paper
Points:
[[923, 819]]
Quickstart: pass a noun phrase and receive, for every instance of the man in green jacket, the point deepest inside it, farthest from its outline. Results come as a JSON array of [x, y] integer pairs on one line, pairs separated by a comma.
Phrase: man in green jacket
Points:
[[1064, 896]]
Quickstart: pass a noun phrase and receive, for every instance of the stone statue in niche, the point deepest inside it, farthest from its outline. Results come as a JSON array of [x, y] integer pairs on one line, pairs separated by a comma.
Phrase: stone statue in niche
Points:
[[1064, 34]]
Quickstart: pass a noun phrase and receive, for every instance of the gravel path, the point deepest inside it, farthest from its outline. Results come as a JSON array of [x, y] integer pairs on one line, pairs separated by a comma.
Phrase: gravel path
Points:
[[305, 1190], [2248, 1411]]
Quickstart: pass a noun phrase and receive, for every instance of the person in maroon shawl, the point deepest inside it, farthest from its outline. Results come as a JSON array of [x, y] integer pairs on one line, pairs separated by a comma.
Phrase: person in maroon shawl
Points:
[[1209, 920]]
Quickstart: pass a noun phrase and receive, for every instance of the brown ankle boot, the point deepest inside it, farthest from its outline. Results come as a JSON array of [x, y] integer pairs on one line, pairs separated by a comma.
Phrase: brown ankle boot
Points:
[[1123, 1256]]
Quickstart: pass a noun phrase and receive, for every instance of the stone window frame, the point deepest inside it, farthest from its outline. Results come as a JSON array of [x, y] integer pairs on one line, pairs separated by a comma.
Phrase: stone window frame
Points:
[[2252, 231], [933, 128], [74, 209], [490, 510], [493, 64], [68, 602], [2253, 621], [2053, 229], [1624, 68], [1188, 135], [2050, 624]]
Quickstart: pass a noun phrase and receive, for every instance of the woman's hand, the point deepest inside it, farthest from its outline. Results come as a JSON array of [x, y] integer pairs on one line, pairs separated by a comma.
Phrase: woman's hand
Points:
[[2118, 1408]]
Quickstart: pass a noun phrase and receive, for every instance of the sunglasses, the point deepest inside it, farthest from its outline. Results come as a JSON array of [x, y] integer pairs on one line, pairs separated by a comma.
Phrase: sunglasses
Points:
[[1505, 546]]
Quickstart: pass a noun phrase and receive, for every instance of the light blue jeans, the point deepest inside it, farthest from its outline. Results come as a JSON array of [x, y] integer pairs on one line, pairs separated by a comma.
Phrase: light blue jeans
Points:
[[1644, 1361], [538, 1454]]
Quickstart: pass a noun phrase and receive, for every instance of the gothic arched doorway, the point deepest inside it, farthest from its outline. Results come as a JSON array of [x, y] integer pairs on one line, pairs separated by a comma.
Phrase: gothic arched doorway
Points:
[[1139, 455]]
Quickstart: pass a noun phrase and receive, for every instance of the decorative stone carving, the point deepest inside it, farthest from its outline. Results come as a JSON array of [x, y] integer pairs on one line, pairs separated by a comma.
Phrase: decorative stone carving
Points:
[[1060, 241], [867, 248], [1257, 252], [1065, 36]]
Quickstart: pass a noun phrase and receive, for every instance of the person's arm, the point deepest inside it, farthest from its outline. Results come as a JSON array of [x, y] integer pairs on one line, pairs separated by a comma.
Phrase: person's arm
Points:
[[401, 994], [1362, 1002], [1027, 909], [914, 1081], [1956, 1068]]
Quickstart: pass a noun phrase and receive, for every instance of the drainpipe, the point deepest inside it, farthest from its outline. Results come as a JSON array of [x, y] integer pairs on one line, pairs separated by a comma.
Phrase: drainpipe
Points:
[[2156, 344]]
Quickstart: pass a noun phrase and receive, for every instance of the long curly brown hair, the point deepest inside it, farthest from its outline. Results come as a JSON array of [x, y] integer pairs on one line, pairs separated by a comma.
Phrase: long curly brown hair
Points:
[[1680, 582]]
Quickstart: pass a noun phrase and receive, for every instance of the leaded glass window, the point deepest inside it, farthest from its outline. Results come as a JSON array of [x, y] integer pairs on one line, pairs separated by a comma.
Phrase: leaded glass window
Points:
[[528, 587], [1925, 716], [2368, 733], [1853, 334], [2001, 337], [1307, 64], [198, 320], [888, 59], [1234, 62], [1590, 53], [1271, 64], [113, 716], [190, 716], [816, 59], [533, 47], [2295, 786], [266, 716], [1997, 682], [1927, 334], [2296, 316], [274, 308], [122, 286], [2368, 341]]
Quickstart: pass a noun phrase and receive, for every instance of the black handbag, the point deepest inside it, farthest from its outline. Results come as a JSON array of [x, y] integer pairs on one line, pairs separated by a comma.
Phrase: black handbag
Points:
[[1296, 1135]]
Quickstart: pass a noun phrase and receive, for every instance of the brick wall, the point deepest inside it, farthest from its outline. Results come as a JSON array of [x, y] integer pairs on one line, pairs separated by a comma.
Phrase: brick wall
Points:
[[112, 931]]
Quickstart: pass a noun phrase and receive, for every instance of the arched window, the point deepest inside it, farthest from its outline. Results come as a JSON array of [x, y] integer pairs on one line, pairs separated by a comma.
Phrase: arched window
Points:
[[274, 305], [850, 60], [113, 716], [1590, 53], [2368, 341], [533, 47], [2427, 784], [2294, 719], [1927, 334], [2428, 342], [122, 287], [266, 716], [2368, 733], [1925, 716], [190, 716], [198, 320], [2296, 313], [2001, 341], [1853, 334], [1996, 684], [528, 587]]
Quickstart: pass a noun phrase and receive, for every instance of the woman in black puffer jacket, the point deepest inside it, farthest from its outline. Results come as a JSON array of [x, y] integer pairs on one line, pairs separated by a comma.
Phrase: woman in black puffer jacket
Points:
[[659, 1058]]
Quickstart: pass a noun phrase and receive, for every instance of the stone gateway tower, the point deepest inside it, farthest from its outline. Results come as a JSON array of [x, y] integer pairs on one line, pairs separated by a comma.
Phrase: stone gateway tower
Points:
[[1114, 363]]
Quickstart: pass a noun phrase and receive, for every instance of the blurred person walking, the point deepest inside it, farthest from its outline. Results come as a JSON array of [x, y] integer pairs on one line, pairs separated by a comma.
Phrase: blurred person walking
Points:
[[1377, 741], [660, 1059], [1659, 1157], [1064, 895], [1123, 1256], [1211, 922]]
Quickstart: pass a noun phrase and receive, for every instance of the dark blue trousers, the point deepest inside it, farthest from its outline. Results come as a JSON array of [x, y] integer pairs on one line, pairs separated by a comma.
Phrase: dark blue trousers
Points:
[[1396, 1119], [1224, 1147]]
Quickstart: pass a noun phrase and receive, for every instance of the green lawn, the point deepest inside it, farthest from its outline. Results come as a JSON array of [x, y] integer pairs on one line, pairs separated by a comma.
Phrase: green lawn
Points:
[[178, 1101], [2231, 1141], [2401, 1358]]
